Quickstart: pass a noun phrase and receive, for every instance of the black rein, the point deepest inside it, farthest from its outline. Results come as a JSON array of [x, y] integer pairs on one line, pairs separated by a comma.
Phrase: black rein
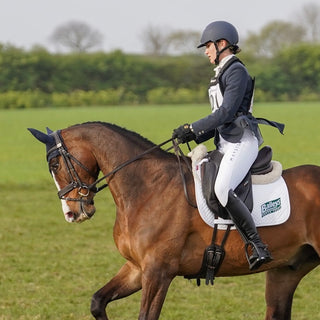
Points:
[[124, 164]]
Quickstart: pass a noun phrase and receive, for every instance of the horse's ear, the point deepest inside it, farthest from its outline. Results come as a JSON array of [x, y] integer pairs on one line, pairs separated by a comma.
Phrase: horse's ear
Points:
[[44, 138]]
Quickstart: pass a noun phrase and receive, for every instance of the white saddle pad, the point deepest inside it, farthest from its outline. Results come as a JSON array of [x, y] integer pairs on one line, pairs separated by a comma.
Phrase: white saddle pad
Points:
[[271, 205]]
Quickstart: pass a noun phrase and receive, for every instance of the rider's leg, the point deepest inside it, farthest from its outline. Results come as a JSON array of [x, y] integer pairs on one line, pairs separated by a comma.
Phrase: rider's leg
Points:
[[242, 218], [237, 160]]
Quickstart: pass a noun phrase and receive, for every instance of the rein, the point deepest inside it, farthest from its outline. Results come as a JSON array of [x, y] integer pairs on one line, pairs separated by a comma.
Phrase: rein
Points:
[[178, 152], [121, 166], [77, 183]]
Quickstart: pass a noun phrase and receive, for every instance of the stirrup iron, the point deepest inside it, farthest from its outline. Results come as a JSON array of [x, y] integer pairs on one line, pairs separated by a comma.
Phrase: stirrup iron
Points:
[[255, 260]]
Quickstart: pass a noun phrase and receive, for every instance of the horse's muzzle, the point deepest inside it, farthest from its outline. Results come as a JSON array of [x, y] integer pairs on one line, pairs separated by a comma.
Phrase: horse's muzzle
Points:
[[85, 212]]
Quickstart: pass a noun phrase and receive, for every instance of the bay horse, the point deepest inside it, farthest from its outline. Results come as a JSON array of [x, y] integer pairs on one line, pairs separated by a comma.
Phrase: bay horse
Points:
[[158, 232]]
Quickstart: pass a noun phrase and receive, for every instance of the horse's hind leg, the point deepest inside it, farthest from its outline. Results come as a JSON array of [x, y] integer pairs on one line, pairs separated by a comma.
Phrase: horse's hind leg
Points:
[[281, 284], [126, 282]]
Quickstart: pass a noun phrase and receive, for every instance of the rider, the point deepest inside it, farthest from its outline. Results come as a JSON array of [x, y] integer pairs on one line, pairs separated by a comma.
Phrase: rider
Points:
[[235, 130]]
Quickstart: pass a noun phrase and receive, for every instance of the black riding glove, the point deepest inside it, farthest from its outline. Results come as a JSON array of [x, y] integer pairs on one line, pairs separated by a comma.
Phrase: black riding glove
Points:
[[183, 134]]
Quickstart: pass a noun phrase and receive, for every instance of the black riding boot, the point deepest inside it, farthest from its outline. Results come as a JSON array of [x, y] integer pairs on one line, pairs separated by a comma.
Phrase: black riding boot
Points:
[[242, 218]]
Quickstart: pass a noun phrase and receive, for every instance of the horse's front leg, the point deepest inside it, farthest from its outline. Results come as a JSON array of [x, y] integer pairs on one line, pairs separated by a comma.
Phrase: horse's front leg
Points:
[[126, 282], [155, 284]]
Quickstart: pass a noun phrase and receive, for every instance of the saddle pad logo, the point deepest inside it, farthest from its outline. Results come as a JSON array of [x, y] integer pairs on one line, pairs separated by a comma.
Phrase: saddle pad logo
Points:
[[270, 207]]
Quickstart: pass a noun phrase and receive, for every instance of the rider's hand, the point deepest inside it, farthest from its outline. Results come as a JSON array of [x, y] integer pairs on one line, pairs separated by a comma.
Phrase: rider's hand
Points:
[[183, 134]]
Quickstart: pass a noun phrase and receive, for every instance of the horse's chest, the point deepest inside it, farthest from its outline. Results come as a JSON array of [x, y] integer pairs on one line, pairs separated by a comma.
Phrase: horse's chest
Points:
[[122, 237]]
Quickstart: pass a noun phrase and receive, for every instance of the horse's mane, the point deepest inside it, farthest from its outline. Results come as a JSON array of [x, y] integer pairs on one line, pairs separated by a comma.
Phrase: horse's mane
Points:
[[134, 137]]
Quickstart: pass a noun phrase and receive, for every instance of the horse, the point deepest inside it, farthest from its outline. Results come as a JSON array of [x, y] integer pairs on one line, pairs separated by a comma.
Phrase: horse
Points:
[[158, 232]]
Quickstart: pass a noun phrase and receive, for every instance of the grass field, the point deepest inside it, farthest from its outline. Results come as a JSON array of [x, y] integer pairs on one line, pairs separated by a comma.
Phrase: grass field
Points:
[[50, 269]]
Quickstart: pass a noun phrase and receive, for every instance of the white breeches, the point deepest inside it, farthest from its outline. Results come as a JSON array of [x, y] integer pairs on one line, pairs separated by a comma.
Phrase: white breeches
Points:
[[237, 160]]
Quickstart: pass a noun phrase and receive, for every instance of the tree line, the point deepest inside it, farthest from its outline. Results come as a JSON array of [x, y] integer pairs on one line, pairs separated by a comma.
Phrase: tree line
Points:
[[38, 78], [304, 26], [282, 56]]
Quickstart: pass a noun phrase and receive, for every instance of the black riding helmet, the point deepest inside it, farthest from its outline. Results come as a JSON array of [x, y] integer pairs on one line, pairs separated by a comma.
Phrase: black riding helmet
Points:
[[219, 30]]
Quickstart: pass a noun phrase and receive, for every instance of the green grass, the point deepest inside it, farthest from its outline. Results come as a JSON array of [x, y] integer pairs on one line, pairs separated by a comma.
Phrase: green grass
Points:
[[50, 269]]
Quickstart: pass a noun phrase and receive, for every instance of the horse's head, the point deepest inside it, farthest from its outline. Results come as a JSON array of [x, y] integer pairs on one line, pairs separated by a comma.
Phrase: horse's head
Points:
[[74, 170]]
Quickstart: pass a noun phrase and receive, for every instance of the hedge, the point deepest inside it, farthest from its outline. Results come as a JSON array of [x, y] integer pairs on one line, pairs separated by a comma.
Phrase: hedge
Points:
[[109, 97], [112, 97]]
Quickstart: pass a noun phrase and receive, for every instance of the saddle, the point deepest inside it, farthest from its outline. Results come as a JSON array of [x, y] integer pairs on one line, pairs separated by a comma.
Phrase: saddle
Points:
[[209, 171], [214, 253]]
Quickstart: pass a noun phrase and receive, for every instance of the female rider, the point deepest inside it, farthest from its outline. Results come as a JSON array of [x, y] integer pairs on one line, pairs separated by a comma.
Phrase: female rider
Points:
[[234, 128]]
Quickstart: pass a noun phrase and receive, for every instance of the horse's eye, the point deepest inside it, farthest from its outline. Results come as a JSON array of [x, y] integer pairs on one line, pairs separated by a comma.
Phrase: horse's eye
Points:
[[54, 166]]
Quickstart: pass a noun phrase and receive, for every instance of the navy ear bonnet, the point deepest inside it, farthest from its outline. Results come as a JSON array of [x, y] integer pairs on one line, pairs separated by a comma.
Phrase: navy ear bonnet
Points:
[[49, 140]]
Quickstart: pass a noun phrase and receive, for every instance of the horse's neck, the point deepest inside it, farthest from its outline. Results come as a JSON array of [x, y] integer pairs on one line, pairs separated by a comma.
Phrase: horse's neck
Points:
[[133, 183], [129, 180]]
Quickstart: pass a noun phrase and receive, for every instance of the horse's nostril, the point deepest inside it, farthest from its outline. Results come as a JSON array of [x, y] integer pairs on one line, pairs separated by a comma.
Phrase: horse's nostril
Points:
[[69, 216]]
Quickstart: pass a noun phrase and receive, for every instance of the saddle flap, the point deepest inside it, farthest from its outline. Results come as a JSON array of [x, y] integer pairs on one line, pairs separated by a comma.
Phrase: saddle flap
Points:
[[209, 171]]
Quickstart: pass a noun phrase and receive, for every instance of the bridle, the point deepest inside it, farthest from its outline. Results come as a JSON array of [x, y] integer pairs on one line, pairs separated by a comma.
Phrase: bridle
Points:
[[76, 183]]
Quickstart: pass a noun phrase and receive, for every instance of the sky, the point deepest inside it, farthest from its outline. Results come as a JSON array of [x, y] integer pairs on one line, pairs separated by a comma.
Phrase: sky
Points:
[[25, 23]]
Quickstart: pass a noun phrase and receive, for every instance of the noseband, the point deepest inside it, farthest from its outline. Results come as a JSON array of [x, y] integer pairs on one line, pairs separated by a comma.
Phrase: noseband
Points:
[[76, 183]]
